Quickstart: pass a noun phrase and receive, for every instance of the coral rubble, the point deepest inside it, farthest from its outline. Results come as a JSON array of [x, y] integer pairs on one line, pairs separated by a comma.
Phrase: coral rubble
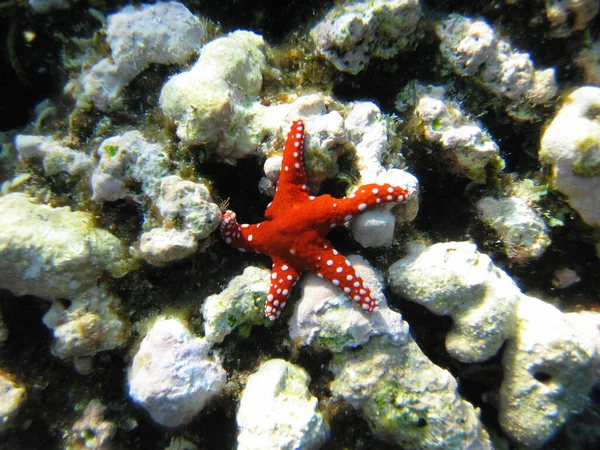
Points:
[[126, 321]]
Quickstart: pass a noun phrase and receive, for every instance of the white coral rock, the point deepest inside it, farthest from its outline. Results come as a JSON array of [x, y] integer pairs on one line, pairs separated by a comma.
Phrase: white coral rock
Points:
[[172, 375], [278, 412]]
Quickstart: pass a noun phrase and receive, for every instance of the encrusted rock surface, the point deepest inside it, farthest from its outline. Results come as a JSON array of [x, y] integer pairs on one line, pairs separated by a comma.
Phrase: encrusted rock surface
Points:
[[210, 102], [191, 206], [406, 398], [571, 147], [550, 366], [325, 317], [353, 33], [91, 322], [465, 147], [160, 33], [277, 411], [166, 119], [471, 48], [56, 158], [53, 252], [551, 358], [12, 398], [128, 156], [172, 375], [92, 431], [240, 304], [521, 229]]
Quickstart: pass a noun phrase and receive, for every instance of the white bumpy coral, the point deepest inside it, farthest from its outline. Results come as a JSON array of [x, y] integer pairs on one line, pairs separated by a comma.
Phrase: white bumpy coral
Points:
[[550, 359]]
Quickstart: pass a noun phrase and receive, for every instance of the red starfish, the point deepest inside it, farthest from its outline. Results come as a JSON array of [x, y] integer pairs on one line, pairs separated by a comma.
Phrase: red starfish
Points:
[[293, 234]]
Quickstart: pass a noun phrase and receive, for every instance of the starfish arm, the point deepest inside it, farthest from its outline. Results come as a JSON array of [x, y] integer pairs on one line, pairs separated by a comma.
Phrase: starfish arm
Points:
[[365, 198], [236, 235], [334, 267], [292, 178], [283, 278]]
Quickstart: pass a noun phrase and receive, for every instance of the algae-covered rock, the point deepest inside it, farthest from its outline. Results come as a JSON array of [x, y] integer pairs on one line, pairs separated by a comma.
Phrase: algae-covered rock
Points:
[[191, 208], [549, 371], [523, 232], [571, 147], [92, 431], [406, 398], [56, 158], [12, 398], [123, 158], [210, 102], [472, 48], [53, 252], [550, 358], [353, 33], [459, 141], [326, 317], [91, 323], [161, 33], [454, 279], [241, 303]]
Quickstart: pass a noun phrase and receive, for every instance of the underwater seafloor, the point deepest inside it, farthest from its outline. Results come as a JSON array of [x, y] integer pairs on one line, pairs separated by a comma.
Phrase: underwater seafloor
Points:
[[127, 322]]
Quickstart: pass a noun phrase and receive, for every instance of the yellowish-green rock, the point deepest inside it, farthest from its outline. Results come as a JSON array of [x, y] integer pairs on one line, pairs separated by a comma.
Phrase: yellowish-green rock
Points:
[[54, 252]]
